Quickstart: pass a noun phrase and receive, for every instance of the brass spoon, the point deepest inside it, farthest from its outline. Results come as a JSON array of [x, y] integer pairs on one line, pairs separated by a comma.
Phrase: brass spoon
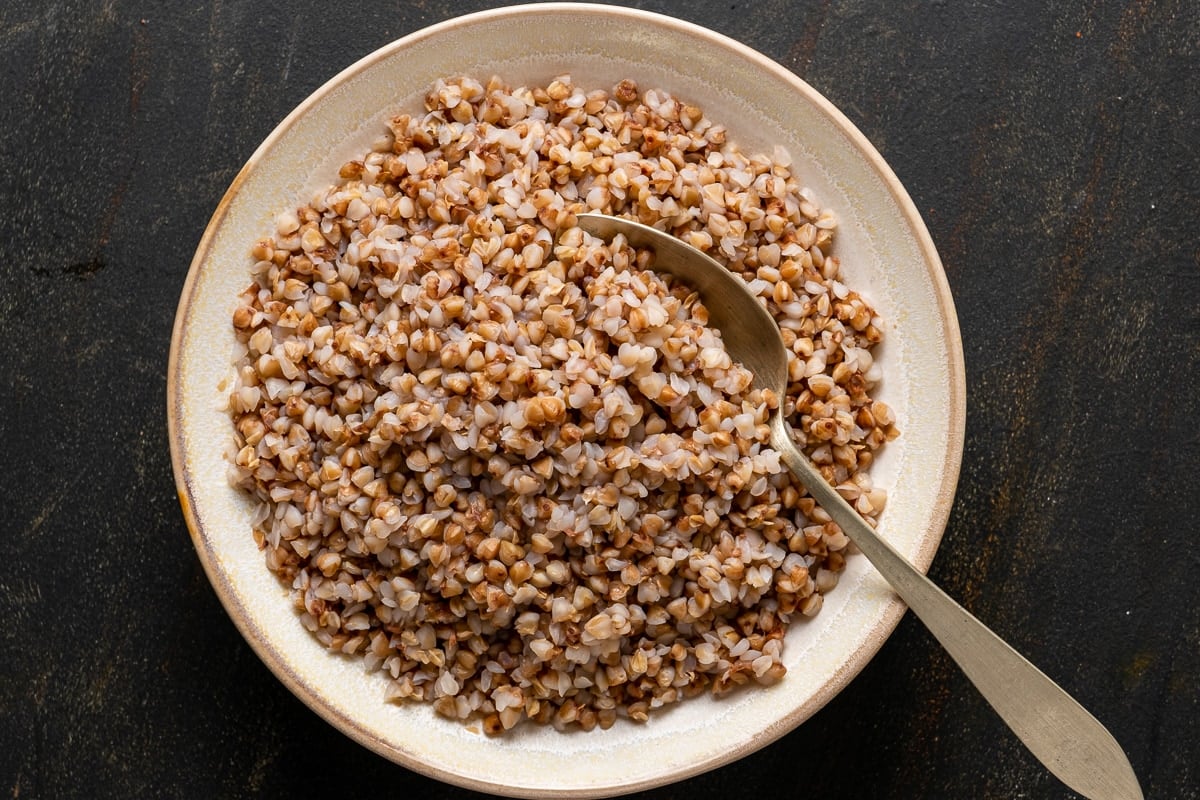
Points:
[[1058, 730]]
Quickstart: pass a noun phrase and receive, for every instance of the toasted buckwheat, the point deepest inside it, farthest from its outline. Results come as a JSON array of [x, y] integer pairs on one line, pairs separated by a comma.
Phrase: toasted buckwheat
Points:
[[508, 464]]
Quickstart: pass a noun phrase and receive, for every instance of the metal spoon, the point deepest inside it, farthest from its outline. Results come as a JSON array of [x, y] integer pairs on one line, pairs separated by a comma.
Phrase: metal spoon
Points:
[[1058, 730]]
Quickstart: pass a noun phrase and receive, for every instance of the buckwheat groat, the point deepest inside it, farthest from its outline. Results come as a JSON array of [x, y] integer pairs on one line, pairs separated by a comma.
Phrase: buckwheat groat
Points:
[[505, 462]]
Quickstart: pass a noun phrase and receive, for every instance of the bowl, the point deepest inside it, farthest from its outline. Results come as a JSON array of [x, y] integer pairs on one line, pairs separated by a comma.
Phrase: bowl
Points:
[[887, 254]]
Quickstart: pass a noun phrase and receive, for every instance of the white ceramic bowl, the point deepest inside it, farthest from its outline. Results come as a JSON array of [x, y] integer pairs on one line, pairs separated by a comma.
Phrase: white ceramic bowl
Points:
[[886, 252]]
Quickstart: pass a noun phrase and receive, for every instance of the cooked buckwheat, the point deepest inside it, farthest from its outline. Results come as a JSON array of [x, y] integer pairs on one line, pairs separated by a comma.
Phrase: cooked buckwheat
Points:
[[505, 462]]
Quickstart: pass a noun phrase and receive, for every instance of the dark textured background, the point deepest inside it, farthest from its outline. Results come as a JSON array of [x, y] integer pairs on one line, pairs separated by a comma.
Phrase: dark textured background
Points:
[[1053, 154]]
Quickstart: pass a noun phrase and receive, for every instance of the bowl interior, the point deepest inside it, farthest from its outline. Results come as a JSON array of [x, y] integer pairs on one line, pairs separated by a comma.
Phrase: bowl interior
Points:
[[886, 253]]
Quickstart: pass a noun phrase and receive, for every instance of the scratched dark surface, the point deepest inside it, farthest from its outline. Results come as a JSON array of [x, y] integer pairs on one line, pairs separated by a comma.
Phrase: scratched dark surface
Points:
[[1053, 153]]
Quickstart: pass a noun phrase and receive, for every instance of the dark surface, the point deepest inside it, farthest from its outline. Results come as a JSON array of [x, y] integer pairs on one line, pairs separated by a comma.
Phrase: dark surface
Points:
[[1053, 154]]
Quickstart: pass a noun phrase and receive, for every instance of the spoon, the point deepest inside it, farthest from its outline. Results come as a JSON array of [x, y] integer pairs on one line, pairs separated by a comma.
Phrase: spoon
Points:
[[1072, 744]]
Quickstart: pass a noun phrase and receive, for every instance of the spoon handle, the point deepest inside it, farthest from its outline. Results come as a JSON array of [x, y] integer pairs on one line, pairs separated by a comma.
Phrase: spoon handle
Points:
[[1053, 725]]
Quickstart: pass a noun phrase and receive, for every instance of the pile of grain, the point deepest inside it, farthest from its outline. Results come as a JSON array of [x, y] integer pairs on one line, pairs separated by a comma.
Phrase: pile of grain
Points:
[[506, 463]]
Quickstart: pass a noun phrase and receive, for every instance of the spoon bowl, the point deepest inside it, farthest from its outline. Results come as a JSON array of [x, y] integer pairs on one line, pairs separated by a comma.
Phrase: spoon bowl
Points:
[[1072, 744]]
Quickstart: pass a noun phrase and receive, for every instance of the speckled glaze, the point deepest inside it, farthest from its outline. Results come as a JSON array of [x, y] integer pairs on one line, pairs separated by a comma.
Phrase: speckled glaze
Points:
[[886, 252]]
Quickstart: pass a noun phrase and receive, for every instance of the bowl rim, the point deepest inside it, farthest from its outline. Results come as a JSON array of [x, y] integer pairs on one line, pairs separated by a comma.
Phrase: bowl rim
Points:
[[887, 621]]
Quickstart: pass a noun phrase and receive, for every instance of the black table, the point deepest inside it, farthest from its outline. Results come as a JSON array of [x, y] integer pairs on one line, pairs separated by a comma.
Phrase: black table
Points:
[[1053, 154]]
